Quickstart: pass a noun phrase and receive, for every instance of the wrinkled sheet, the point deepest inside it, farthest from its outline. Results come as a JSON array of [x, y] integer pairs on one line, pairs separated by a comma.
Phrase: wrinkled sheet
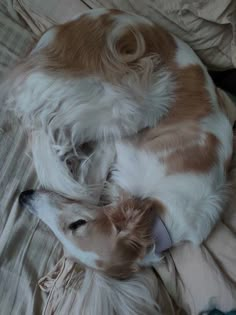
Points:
[[28, 249], [195, 278], [40, 15]]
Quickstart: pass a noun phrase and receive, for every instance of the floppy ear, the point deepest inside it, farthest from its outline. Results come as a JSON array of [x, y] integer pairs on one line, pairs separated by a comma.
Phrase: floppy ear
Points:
[[134, 218]]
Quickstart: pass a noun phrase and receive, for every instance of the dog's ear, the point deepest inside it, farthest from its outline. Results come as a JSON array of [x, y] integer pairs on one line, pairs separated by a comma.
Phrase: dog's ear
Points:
[[134, 218]]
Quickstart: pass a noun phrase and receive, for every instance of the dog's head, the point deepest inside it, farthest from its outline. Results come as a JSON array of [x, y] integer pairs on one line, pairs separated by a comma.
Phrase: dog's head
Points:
[[112, 239]]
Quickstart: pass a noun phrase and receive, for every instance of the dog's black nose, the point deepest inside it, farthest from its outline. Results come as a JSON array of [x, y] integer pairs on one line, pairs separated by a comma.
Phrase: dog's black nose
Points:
[[25, 196]]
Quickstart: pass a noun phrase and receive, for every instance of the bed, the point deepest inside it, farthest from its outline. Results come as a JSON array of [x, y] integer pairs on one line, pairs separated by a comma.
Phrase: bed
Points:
[[35, 276]]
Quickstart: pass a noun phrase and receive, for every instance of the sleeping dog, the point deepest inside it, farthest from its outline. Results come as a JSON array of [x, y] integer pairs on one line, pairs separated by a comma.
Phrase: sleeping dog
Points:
[[121, 81]]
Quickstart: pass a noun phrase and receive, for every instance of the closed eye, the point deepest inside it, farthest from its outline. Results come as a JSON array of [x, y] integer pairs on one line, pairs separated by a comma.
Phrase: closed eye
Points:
[[75, 225]]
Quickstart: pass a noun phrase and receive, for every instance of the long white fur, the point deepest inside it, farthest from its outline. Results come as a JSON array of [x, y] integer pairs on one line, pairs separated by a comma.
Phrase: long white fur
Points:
[[53, 173], [91, 109], [85, 182]]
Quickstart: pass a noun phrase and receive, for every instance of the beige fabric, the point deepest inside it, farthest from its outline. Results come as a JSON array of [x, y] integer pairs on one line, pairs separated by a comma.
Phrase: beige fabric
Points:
[[208, 26], [204, 276], [40, 15], [28, 250], [15, 37]]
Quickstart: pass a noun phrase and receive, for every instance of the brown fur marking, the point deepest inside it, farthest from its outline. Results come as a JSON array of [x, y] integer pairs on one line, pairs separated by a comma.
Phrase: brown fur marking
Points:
[[134, 219], [192, 100]]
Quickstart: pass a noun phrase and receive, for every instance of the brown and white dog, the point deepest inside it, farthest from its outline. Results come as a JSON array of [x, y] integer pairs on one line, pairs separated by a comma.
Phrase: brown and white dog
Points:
[[121, 81]]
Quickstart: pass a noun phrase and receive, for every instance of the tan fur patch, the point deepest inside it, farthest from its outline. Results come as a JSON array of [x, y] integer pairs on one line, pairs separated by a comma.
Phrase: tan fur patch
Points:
[[181, 147], [179, 133], [192, 100], [81, 47], [97, 230], [157, 42], [198, 158], [133, 219]]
